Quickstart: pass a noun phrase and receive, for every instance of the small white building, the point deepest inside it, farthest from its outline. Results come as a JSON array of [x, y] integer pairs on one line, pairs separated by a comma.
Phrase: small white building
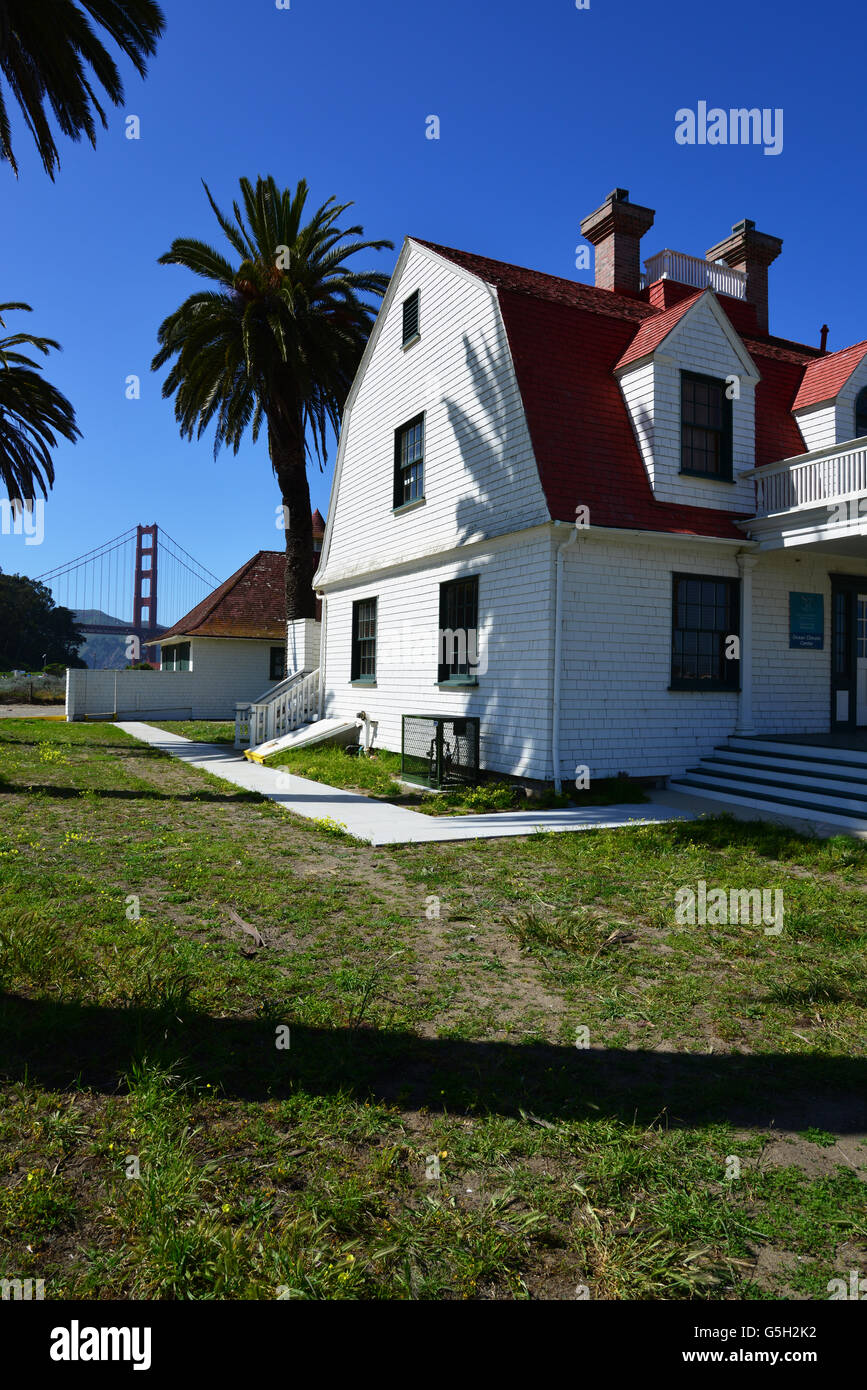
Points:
[[621, 524], [235, 636]]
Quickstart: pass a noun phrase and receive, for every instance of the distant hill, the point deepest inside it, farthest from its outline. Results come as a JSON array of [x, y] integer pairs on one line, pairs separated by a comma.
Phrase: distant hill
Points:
[[101, 651]]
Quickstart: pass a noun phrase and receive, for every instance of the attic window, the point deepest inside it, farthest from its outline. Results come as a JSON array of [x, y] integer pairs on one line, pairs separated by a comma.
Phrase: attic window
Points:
[[411, 319], [861, 414], [705, 427]]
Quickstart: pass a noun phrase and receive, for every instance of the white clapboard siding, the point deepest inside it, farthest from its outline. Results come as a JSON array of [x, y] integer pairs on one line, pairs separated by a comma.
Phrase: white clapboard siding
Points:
[[480, 474]]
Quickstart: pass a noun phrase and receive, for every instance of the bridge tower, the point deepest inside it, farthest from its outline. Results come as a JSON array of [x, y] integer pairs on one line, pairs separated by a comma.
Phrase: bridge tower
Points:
[[144, 613]]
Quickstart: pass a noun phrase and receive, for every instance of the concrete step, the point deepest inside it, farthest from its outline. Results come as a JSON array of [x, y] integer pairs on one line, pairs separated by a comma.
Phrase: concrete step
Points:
[[815, 752], [785, 776], [780, 789], [770, 799], [785, 764]]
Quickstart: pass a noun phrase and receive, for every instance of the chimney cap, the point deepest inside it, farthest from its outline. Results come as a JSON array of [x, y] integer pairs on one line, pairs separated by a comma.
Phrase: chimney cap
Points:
[[617, 214], [746, 244]]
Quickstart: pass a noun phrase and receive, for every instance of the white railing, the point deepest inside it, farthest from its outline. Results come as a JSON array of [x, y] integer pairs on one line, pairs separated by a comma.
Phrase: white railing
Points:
[[824, 477], [295, 701], [692, 270]]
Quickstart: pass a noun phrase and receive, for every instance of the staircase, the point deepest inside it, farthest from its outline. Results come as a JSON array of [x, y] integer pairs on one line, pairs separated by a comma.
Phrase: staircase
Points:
[[286, 706], [810, 781]]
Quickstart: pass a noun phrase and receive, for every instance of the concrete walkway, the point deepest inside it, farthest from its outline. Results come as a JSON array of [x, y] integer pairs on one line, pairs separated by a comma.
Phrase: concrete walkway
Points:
[[379, 823]]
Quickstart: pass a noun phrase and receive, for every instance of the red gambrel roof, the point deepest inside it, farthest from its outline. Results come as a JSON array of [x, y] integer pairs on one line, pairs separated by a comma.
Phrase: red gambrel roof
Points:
[[825, 378], [251, 603], [566, 339]]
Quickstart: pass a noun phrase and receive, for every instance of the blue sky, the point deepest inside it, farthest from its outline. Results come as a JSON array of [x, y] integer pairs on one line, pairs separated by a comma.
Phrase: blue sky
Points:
[[544, 108]]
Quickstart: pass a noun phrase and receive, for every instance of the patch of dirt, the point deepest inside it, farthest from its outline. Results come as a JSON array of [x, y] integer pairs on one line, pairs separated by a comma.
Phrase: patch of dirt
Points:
[[773, 1267], [787, 1150]]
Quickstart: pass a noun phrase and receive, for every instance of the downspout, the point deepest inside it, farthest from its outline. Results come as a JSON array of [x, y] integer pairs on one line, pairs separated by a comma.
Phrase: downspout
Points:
[[558, 658], [322, 656]]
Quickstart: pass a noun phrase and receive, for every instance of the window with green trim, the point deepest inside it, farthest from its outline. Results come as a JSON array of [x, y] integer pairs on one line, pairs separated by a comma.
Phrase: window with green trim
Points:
[[364, 640], [409, 462]]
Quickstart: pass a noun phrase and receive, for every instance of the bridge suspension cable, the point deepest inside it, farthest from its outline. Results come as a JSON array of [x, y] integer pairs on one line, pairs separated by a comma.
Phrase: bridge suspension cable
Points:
[[141, 580]]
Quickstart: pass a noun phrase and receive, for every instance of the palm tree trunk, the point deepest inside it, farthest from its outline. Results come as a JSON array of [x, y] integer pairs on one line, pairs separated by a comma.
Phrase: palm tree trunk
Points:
[[289, 461]]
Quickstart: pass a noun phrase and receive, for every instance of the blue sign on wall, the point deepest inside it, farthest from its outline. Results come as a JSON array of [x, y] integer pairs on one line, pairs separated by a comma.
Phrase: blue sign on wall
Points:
[[807, 621]]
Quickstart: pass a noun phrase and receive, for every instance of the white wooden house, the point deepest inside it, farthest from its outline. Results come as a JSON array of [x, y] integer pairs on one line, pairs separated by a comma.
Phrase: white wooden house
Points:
[[621, 524]]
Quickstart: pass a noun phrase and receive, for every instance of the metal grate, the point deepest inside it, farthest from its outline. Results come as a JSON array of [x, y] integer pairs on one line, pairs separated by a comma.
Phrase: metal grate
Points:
[[439, 750]]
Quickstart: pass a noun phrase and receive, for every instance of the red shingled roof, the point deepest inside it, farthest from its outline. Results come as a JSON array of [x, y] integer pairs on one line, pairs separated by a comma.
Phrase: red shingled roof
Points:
[[826, 377], [655, 330], [566, 339], [250, 603]]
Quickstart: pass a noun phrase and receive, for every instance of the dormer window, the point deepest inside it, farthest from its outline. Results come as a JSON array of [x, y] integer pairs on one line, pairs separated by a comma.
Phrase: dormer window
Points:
[[861, 414], [705, 427], [411, 320]]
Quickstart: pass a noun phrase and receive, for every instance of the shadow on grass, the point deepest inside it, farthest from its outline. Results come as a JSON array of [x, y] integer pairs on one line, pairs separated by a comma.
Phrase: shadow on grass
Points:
[[59, 1046], [117, 793]]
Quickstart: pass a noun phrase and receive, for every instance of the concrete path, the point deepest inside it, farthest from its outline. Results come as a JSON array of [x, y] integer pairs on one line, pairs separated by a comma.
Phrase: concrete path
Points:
[[377, 822]]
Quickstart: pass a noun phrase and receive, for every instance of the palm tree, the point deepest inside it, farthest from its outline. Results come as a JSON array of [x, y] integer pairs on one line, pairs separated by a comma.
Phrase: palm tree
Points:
[[50, 55], [278, 342], [31, 410]]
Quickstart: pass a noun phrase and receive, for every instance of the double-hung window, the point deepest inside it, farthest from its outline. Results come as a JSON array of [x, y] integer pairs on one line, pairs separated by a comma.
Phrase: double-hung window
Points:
[[364, 641], [409, 462]]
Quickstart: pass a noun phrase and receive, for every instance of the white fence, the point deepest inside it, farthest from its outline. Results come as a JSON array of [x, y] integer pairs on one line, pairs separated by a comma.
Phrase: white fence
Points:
[[155, 694], [692, 270]]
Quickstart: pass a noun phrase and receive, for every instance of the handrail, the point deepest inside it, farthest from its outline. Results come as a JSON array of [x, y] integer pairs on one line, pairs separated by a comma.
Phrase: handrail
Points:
[[289, 705]]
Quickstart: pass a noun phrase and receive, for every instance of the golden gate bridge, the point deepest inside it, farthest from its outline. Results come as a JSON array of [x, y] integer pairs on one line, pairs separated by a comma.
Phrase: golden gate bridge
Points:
[[135, 585]]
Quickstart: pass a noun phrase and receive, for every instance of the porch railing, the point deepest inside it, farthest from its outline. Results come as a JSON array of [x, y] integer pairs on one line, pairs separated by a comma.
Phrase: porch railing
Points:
[[824, 477], [295, 701]]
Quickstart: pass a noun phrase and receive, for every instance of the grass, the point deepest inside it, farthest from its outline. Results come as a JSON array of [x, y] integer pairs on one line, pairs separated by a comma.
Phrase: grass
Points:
[[616, 1103], [199, 730], [379, 775]]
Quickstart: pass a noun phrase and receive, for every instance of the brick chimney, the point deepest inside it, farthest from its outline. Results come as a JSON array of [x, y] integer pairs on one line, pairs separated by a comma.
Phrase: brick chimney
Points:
[[616, 230], [752, 251]]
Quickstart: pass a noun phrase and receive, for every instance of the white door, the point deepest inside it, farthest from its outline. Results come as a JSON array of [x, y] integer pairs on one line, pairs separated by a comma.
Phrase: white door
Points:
[[861, 663]]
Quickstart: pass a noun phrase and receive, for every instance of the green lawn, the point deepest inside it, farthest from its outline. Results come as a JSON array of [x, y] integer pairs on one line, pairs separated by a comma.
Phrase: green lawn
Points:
[[379, 775], [431, 1130], [200, 730]]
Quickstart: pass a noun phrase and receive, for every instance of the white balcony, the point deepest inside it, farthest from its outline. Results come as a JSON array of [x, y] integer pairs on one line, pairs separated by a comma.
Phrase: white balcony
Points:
[[692, 270], [815, 499], [824, 478]]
